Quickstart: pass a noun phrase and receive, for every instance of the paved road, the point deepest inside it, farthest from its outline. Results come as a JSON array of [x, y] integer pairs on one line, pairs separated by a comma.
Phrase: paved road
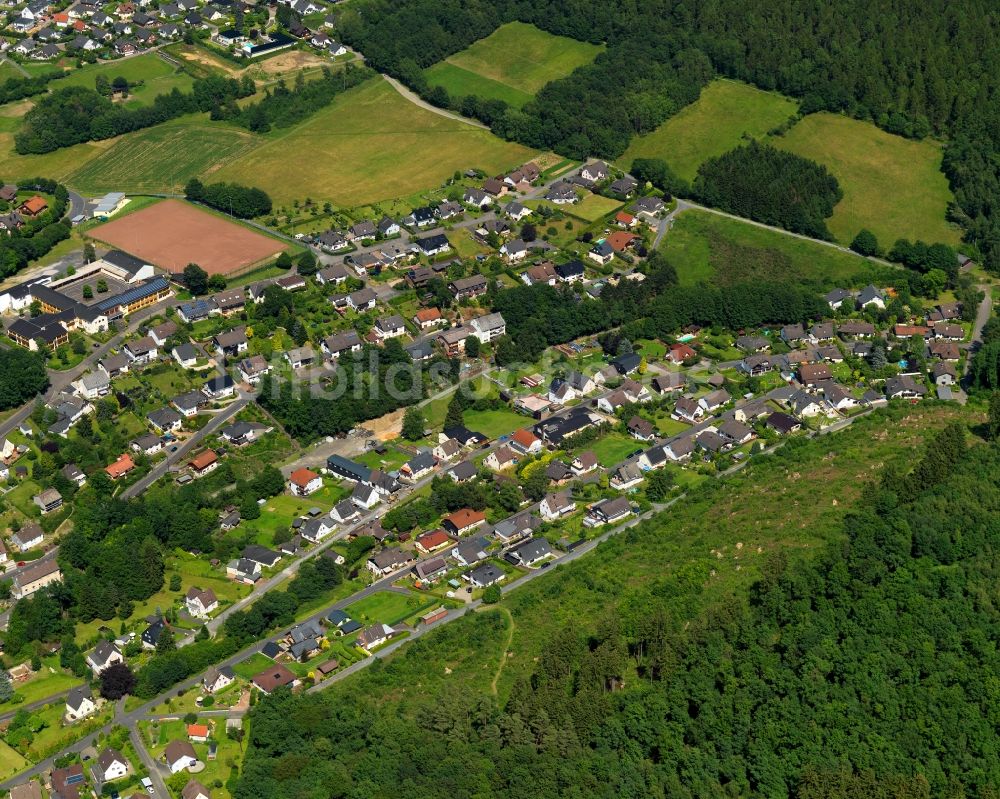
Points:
[[983, 314], [77, 204], [185, 449]]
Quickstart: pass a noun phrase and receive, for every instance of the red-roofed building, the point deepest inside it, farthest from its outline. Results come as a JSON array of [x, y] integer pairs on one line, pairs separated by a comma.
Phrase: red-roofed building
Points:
[[198, 732], [625, 219], [680, 353], [621, 241], [463, 521], [204, 462], [303, 482], [435, 539], [120, 467], [428, 317], [525, 441], [33, 206]]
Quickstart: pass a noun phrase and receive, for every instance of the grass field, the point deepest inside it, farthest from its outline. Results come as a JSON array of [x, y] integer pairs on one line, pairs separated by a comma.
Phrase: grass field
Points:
[[726, 112], [892, 186], [388, 607], [460, 82], [254, 664], [157, 75], [517, 57], [370, 144], [162, 158], [494, 423], [10, 762], [613, 448], [706, 247]]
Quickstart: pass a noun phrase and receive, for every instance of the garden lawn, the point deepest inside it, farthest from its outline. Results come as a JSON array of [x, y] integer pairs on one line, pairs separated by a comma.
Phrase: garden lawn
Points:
[[494, 424], [892, 186], [520, 56], [253, 665], [719, 120], [592, 207], [51, 679], [388, 607], [10, 762], [369, 144], [157, 75], [706, 247], [613, 448]]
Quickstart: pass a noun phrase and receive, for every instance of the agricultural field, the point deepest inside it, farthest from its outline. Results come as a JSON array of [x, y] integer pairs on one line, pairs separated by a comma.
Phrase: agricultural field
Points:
[[892, 186], [517, 56], [161, 159], [369, 144], [460, 82], [706, 247], [156, 75], [726, 113]]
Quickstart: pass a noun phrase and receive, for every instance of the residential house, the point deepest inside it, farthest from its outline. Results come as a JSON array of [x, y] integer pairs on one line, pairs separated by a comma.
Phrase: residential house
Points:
[[204, 463], [303, 482], [432, 541], [299, 357], [232, 342], [641, 429], [48, 500], [93, 385], [626, 476], [812, 373], [608, 511], [216, 679], [180, 755], [272, 678], [782, 423], [362, 300], [944, 374], [195, 790], [36, 576], [432, 246], [374, 636], [243, 570], [200, 602], [532, 551], [103, 655], [525, 442], [836, 298], [80, 703], [714, 400], [463, 521], [165, 419], [111, 765], [252, 369], [147, 444], [28, 537], [389, 560], [488, 327], [561, 193], [471, 551], [389, 327], [267, 558], [484, 575], [187, 404], [219, 387], [503, 457], [431, 570], [334, 346], [469, 287], [904, 387], [870, 296], [602, 252], [555, 506], [140, 351]]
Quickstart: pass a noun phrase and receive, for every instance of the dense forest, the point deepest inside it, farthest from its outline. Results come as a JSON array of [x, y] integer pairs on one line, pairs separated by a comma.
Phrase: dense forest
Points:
[[865, 671], [22, 377], [75, 114], [912, 68], [760, 182]]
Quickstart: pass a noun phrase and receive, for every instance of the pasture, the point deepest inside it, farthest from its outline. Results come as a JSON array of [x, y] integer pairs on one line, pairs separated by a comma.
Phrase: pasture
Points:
[[161, 159], [706, 247], [892, 186], [524, 57], [460, 82], [156, 75], [726, 113], [172, 234], [369, 144]]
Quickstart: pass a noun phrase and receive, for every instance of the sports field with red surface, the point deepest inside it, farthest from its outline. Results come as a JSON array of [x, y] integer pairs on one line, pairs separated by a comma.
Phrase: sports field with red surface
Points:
[[173, 233]]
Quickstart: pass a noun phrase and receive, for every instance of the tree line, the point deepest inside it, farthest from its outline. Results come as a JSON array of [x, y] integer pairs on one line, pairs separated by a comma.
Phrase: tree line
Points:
[[540, 316], [14, 89], [245, 202], [282, 107], [812, 688], [74, 114]]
